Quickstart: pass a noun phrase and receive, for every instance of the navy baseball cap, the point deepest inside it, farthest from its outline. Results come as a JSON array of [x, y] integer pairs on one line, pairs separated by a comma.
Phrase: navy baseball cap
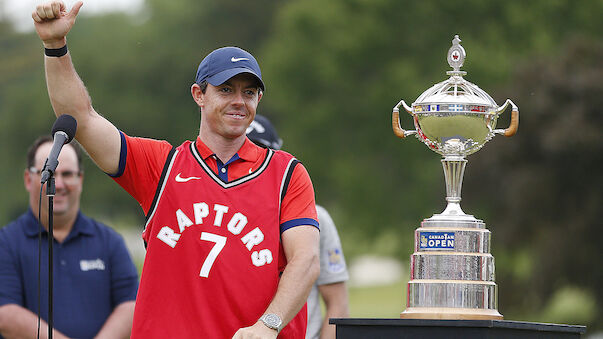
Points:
[[226, 62], [262, 133]]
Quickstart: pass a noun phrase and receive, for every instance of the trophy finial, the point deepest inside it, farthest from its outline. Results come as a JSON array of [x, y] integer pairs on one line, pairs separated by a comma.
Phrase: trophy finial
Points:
[[456, 55]]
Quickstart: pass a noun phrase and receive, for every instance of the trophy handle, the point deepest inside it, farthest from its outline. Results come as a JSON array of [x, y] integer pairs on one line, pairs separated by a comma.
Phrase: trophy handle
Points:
[[514, 125], [398, 131]]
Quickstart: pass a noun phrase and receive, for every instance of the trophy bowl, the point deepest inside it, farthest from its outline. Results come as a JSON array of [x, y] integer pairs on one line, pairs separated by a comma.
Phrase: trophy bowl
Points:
[[452, 270], [455, 117]]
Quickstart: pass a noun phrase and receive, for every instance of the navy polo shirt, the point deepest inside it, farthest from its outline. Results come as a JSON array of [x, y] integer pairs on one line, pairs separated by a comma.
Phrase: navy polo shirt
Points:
[[92, 272]]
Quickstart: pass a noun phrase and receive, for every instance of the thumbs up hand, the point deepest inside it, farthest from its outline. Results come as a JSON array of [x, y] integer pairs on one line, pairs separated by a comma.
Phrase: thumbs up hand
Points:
[[53, 22]]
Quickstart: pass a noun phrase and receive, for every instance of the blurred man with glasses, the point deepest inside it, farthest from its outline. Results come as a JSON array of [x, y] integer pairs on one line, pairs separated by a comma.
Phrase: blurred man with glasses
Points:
[[95, 280]]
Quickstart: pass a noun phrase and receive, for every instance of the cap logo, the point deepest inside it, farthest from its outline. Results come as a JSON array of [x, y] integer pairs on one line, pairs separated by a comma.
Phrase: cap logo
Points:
[[233, 59], [255, 126]]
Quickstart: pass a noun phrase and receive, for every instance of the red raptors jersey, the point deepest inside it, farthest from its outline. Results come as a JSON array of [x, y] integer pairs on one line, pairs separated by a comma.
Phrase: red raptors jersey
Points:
[[213, 250]]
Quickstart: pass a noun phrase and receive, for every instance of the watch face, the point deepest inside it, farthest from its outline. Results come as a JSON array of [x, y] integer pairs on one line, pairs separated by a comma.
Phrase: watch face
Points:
[[272, 320]]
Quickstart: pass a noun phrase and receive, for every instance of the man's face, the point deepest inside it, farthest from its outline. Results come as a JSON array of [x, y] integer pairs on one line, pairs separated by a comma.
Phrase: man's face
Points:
[[68, 182], [228, 109]]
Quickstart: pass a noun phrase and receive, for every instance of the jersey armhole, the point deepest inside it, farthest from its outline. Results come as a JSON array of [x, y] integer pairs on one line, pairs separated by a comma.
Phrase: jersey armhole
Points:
[[166, 166], [288, 178]]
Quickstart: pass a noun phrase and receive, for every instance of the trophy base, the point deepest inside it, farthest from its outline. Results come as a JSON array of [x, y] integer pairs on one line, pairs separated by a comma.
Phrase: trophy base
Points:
[[450, 313]]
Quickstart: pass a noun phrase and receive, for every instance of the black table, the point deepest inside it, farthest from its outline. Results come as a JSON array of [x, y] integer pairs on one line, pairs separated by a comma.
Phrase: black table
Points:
[[350, 328]]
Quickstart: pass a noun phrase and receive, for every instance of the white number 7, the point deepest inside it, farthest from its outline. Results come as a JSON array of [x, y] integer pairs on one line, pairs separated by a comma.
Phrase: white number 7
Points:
[[219, 241]]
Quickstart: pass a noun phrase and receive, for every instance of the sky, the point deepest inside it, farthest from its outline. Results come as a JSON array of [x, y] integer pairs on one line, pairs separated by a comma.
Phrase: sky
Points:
[[19, 11]]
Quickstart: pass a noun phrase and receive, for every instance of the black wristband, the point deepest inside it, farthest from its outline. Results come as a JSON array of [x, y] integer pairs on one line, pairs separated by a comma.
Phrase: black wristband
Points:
[[56, 52]]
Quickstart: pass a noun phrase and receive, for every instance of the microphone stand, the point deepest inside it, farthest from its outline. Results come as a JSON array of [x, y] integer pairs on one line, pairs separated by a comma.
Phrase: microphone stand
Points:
[[50, 192]]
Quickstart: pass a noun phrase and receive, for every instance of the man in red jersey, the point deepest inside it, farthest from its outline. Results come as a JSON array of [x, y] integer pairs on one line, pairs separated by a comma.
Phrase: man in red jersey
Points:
[[231, 230]]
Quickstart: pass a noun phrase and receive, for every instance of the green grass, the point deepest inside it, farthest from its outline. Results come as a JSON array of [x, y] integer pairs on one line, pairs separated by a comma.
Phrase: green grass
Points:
[[385, 301]]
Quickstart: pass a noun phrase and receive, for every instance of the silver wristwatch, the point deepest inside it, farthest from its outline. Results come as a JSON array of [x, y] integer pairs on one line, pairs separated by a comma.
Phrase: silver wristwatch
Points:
[[272, 320]]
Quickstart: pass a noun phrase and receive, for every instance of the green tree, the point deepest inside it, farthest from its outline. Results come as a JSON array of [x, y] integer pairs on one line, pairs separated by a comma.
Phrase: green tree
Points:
[[340, 66], [548, 182]]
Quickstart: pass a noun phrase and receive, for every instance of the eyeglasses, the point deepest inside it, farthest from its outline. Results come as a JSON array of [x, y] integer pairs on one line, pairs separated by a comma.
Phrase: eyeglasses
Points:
[[68, 177]]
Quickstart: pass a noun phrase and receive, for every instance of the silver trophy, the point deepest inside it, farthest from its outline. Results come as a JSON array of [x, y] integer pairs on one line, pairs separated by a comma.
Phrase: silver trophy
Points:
[[451, 269]]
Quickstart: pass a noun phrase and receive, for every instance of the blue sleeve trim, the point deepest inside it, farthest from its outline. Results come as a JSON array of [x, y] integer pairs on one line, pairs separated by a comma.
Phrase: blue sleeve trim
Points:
[[298, 222], [123, 154]]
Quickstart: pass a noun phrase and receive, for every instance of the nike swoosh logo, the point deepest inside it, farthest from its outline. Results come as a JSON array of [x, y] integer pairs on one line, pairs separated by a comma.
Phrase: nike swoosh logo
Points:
[[181, 179], [233, 59]]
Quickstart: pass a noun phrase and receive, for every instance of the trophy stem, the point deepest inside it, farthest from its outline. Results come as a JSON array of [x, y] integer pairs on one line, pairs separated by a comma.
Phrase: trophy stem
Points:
[[454, 169]]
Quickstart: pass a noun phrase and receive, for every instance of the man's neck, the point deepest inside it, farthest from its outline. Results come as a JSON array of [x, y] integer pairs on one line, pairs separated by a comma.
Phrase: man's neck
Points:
[[224, 148], [61, 225]]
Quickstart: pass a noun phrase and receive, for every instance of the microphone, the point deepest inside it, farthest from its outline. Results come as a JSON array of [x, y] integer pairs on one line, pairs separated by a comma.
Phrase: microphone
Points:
[[63, 132]]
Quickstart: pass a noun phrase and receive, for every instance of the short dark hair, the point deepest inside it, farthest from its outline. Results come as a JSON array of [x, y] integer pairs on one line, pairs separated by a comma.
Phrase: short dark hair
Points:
[[203, 85], [31, 152]]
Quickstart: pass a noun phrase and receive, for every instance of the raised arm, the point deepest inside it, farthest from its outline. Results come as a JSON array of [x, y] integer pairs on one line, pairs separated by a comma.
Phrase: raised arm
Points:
[[67, 92]]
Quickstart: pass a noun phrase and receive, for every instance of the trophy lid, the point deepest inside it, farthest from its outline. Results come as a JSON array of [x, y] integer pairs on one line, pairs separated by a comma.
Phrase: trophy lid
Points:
[[455, 95]]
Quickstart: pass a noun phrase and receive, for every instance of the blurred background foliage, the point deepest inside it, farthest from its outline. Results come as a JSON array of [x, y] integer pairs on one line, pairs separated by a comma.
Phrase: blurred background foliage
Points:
[[333, 71]]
